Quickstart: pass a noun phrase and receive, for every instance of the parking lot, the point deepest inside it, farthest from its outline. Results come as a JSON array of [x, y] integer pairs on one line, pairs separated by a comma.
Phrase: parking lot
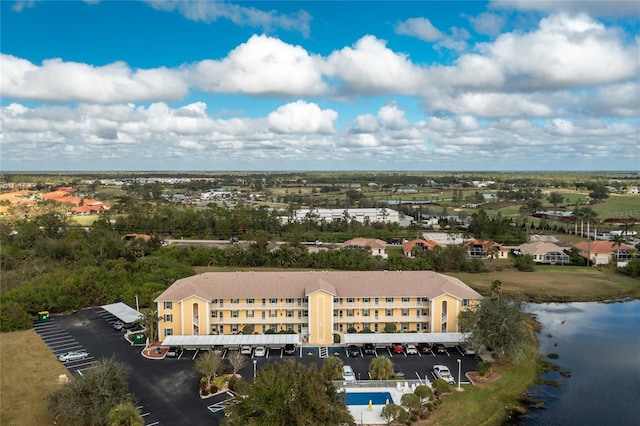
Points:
[[167, 389]]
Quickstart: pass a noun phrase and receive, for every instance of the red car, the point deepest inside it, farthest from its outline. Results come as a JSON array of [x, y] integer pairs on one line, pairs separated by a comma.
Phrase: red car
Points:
[[397, 348]]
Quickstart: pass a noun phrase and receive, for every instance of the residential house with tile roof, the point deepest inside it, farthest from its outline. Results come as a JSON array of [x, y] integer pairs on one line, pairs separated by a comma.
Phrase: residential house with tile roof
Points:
[[376, 246], [545, 252], [483, 249], [419, 244], [313, 304], [603, 252]]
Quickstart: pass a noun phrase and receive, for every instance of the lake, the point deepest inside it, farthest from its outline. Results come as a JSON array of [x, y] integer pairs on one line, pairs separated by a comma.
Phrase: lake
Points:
[[599, 343]]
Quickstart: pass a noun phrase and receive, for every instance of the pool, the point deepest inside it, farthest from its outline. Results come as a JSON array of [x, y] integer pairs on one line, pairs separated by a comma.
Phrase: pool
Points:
[[363, 398]]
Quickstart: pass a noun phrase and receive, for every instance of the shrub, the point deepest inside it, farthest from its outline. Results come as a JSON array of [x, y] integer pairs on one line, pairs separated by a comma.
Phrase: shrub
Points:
[[485, 368], [336, 338], [441, 387], [352, 330]]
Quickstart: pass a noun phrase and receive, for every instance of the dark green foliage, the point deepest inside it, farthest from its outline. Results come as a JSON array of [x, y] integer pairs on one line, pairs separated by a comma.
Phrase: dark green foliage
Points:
[[87, 400], [632, 269], [485, 368], [390, 327], [332, 368], [286, 393], [381, 368], [497, 323], [440, 387], [524, 263], [14, 317], [394, 413]]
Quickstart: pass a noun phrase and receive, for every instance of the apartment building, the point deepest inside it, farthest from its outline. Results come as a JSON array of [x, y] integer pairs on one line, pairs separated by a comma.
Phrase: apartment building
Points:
[[313, 304]]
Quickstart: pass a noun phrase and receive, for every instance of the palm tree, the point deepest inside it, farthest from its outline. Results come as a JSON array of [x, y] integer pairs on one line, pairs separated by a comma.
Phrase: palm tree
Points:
[[150, 321], [125, 414], [209, 364], [381, 368]]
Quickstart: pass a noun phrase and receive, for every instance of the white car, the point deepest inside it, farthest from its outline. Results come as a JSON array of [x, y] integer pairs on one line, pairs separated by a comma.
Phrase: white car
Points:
[[442, 372], [411, 350], [348, 374], [245, 350], [260, 351], [73, 356]]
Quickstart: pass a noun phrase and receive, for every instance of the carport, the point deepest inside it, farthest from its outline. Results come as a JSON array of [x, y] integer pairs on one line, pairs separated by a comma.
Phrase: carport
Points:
[[123, 312], [272, 341], [386, 339]]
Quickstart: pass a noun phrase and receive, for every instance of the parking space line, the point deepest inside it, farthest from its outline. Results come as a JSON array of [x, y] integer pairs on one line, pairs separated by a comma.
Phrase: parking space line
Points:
[[53, 339], [65, 348], [52, 333], [152, 424], [195, 354]]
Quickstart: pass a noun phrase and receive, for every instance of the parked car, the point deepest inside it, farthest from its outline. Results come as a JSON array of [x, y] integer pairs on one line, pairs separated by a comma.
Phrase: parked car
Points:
[[397, 348], [411, 350], [369, 349], [172, 352], [245, 350], [397, 372], [353, 351], [260, 351], [465, 350], [442, 372], [117, 325], [425, 348], [439, 348], [289, 349], [348, 374], [73, 356]]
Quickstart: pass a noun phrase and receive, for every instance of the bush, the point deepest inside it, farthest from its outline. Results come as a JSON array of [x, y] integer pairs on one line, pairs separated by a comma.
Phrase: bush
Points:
[[485, 368], [441, 387], [336, 338], [352, 330], [524, 263]]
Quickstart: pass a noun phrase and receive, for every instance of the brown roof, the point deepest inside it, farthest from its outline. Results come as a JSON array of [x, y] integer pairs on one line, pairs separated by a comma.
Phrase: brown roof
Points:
[[408, 246], [600, 246], [295, 284], [486, 244], [374, 243]]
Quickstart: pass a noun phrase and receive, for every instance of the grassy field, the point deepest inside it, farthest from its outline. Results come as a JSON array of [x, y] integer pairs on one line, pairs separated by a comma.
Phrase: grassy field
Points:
[[28, 373], [557, 283]]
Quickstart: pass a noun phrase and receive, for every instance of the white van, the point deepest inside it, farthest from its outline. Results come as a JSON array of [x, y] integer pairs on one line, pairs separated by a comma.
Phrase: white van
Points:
[[347, 374]]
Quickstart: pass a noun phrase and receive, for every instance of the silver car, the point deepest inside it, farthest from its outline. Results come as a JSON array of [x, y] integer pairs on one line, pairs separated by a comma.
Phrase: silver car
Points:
[[442, 372], [73, 356]]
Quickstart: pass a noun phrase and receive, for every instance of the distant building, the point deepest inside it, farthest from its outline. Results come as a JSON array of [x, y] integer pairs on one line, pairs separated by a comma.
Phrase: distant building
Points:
[[423, 245], [544, 252], [603, 252], [372, 215], [483, 249]]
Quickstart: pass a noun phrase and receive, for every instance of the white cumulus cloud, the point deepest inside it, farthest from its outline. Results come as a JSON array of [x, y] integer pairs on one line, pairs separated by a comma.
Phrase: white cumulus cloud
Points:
[[302, 117]]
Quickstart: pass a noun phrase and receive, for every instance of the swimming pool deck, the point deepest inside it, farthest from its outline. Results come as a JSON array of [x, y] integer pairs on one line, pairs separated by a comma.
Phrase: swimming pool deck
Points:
[[361, 413]]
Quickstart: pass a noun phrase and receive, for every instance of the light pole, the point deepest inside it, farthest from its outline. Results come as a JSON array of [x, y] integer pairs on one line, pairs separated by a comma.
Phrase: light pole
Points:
[[459, 368], [255, 364]]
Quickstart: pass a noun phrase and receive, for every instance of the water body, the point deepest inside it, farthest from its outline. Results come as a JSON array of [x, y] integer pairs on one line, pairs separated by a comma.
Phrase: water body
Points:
[[599, 344]]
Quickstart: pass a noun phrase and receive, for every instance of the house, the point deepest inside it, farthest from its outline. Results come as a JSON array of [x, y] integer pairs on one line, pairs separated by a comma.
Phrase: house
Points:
[[603, 252], [364, 215], [133, 237], [376, 246], [313, 304], [418, 244], [484, 249], [544, 252]]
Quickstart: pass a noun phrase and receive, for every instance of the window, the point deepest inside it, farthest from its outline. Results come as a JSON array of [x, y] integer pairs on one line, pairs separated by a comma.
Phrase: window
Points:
[[264, 314], [405, 326], [221, 315], [214, 301], [389, 299], [299, 314], [264, 302], [234, 328], [350, 300], [168, 305], [168, 318], [289, 327], [375, 313], [273, 301], [425, 312], [389, 312], [425, 326], [444, 308], [366, 300], [249, 314], [214, 314], [375, 327], [234, 314], [250, 301], [350, 325], [289, 313], [221, 303], [365, 312], [418, 327], [168, 331], [289, 300], [465, 302], [235, 301], [306, 314], [273, 313], [340, 313], [405, 312], [405, 300], [273, 327], [375, 300], [350, 312], [425, 299]]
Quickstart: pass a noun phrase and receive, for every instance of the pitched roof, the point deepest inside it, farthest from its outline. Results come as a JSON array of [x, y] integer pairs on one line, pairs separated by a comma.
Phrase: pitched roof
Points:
[[374, 243], [600, 246], [409, 245], [486, 244], [298, 284], [540, 247]]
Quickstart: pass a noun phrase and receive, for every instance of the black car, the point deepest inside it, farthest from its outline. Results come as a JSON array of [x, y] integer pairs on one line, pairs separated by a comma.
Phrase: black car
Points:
[[353, 351], [439, 348], [369, 349], [397, 372], [289, 349], [425, 348]]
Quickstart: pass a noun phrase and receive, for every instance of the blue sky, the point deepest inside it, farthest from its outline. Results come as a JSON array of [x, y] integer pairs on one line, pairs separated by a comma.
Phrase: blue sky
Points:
[[315, 85]]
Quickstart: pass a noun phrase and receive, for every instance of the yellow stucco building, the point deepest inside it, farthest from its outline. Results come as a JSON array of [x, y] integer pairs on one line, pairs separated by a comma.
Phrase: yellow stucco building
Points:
[[313, 304]]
